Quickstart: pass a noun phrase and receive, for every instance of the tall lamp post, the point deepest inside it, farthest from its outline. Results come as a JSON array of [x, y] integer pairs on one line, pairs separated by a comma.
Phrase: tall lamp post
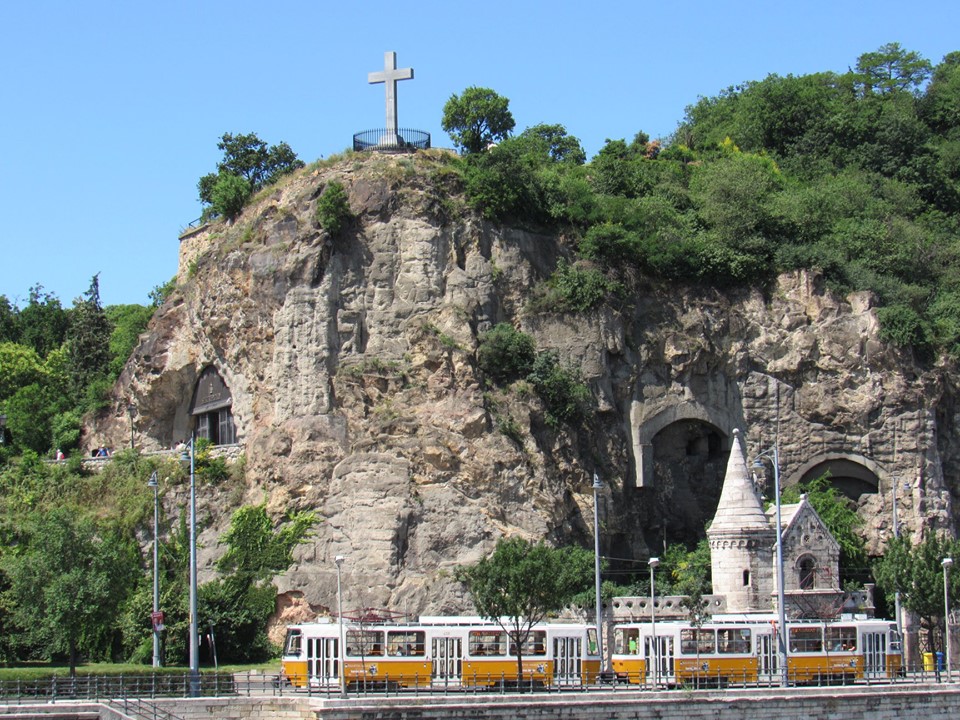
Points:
[[774, 454], [597, 487], [654, 655], [338, 560], [947, 563], [155, 621], [898, 612], [194, 632], [131, 411]]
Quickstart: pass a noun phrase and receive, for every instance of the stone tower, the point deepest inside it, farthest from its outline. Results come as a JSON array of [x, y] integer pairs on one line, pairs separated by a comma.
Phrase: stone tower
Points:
[[742, 540]]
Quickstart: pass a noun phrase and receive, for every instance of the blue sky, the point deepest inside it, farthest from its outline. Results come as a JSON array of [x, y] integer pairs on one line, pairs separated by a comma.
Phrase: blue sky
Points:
[[111, 111]]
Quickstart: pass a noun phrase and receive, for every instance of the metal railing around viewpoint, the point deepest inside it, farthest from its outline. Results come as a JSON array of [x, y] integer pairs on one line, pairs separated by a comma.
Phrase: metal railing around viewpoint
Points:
[[384, 140]]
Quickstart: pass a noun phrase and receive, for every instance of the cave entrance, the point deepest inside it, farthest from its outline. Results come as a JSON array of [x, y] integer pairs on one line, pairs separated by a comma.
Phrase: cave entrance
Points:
[[689, 463], [851, 478]]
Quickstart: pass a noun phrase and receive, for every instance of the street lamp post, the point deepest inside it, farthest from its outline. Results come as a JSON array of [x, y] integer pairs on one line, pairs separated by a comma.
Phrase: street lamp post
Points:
[[156, 568], [194, 632], [653, 563], [597, 487], [898, 612], [947, 563], [781, 604], [338, 560]]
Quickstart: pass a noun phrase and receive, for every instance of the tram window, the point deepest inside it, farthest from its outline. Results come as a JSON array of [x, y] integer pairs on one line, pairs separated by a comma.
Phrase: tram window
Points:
[[806, 639], [592, 646], [535, 644], [841, 638], [733, 640], [365, 643], [697, 642], [294, 642], [626, 641], [487, 642], [411, 643]]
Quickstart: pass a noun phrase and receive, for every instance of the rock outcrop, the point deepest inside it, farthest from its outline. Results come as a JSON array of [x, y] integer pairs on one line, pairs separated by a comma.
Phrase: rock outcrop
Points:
[[351, 365]]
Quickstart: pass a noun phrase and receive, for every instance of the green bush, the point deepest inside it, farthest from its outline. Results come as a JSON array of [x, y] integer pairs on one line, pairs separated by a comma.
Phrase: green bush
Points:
[[563, 392], [579, 288], [505, 354], [333, 209], [229, 194], [903, 326]]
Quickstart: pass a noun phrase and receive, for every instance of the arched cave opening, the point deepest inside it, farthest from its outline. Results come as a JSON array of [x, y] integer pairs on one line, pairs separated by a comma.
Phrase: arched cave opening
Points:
[[689, 463], [849, 477]]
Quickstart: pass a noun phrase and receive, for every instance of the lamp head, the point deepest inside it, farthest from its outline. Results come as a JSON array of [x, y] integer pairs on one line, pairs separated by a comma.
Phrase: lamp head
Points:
[[338, 560], [153, 480], [597, 485], [947, 563], [653, 562]]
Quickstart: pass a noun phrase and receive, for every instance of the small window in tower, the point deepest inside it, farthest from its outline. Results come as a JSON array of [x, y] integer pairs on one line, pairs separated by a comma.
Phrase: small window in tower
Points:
[[746, 578], [808, 570]]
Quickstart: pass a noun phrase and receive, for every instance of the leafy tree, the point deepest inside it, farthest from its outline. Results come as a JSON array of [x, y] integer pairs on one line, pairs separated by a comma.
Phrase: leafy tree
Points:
[[522, 582], [552, 142], [940, 106], [67, 583], [9, 325], [128, 322], [158, 296], [43, 322], [255, 549], [891, 68], [19, 366], [505, 353], [246, 156], [229, 194], [916, 572], [333, 208], [476, 118], [30, 415]]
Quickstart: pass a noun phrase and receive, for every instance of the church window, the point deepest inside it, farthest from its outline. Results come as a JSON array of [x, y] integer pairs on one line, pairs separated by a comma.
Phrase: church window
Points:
[[746, 578], [211, 409], [808, 570]]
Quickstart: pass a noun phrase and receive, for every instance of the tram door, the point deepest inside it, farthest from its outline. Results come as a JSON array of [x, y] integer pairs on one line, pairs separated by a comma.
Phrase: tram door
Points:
[[874, 646], [323, 664], [566, 660], [446, 668], [658, 656], [768, 660]]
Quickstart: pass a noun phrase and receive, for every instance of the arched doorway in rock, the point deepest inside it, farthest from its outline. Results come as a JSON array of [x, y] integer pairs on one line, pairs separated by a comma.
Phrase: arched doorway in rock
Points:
[[689, 463], [853, 476], [211, 410]]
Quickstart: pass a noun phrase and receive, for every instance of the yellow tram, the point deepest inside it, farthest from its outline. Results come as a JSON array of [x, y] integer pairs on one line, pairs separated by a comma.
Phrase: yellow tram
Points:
[[742, 650], [437, 652]]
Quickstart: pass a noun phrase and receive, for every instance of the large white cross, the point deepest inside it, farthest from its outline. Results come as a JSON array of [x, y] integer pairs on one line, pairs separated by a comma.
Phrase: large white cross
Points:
[[390, 77]]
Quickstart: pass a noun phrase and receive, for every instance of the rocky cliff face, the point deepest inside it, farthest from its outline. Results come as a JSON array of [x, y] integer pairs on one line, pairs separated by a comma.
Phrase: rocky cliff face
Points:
[[351, 365]]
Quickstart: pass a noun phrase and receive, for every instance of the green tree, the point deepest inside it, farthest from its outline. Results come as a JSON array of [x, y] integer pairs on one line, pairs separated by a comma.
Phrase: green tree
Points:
[[128, 322], [30, 414], [67, 582], [891, 68], [9, 321], [504, 353], [553, 143], [43, 322], [476, 118], [333, 208], [88, 339], [915, 571], [522, 582], [229, 194], [19, 366], [246, 156]]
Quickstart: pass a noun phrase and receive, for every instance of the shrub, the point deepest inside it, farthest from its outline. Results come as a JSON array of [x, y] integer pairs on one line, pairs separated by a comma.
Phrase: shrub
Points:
[[903, 326], [229, 195], [579, 288], [333, 208], [563, 392], [505, 353]]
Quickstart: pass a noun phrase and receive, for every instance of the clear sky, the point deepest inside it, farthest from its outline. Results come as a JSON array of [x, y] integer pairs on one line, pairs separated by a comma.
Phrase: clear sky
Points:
[[111, 111]]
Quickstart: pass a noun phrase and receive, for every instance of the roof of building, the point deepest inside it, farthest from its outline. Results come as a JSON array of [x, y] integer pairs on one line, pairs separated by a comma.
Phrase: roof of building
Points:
[[739, 509]]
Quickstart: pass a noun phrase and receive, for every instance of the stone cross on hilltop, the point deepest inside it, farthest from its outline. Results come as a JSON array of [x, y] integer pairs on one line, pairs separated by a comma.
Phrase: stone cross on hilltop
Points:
[[390, 76]]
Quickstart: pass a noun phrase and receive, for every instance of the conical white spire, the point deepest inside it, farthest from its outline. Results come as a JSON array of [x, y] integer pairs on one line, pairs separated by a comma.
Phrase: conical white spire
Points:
[[739, 508]]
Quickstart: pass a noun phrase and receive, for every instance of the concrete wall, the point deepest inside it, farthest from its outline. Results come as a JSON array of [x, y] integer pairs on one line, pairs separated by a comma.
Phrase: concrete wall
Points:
[[928, 702]]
